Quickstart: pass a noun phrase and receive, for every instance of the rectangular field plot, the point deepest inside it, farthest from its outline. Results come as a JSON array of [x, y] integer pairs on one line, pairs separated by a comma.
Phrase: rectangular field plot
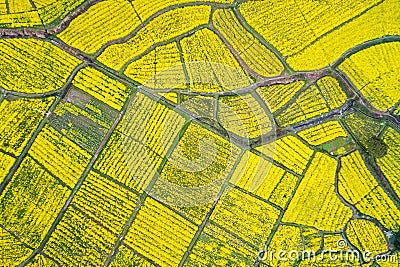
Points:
[[83, 119], [60, 156], [19, 120], [160, 234], [79, 241], [105, 201], [31, 202]]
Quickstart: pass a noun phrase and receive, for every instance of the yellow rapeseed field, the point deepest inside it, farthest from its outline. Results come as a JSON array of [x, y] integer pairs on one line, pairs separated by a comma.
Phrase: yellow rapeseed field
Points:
[[355, 181], [19, 6], [200, 158], [244, 116], [257, 175], [6, 162], [290, 152], [292, 238], [91, 247], [276, 96], [111, 208], [19, 120], [309, 104], [32, 202], [390, 163], [370, 25], [211, 66], [43, 68], [103, 22], [256, 55], [51, 11], [160, 29], [118, 156], [216, 247], [159, 69], [378, 205], [160, 234], [375, 71], [264, 179], [35, 13], [315, 202], [366, 236], [249, 218], [333, 94], [54, 151], [148, 8], [315, 34], [323, 133], [126, 256], [29, 18], [102, 87], [12, 249]]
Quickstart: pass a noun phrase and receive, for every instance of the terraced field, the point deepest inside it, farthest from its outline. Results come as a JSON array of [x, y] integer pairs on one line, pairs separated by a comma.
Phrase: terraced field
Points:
[[199, 133]]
